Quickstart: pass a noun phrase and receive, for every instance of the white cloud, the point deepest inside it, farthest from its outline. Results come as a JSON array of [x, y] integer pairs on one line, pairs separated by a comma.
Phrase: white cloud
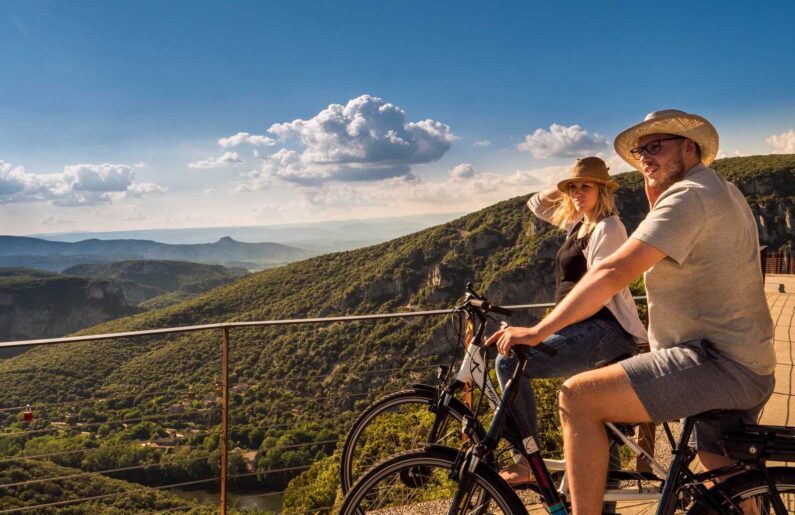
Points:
[[783, 143], [736, 153], [77, 185], [480, 143], [134, 216], [144, 188], [413, 195], [244, 137], [365, 140], [58, 220], [462, 171], [560, 141], [100, 178], [13, 179], [229, 158]]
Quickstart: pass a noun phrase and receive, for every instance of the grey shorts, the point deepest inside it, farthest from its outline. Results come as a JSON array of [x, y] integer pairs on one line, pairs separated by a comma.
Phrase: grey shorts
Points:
[[692, 378]]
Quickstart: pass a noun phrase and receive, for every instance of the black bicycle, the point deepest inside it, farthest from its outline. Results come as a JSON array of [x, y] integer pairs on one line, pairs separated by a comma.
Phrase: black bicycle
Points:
[[464, 479]]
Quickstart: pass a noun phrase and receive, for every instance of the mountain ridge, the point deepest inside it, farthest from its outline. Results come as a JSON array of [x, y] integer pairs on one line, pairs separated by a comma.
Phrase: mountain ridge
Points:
[[57, 256]]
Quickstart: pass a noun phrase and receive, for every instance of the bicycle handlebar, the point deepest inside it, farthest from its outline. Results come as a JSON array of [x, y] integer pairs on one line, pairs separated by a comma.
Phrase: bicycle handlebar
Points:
[[479, 302]]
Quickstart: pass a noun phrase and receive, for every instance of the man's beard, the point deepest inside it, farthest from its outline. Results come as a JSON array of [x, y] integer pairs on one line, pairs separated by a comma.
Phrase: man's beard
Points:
[[673, 173]]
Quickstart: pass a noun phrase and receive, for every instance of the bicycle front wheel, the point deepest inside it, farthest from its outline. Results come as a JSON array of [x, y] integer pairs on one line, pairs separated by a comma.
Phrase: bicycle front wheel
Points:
[[420, 482], [395, 423], [751, 493]]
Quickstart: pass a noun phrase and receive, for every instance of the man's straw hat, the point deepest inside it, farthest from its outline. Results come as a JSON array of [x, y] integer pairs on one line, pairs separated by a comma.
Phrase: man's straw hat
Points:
[[591, 169], [670, 121]]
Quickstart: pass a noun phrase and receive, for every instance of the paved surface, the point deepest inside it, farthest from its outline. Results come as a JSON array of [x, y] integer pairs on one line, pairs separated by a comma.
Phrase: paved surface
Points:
[[780, 292]]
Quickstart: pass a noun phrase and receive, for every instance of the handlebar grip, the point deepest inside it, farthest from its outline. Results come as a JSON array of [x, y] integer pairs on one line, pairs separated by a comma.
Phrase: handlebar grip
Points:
[[488, 306], [500, 311]]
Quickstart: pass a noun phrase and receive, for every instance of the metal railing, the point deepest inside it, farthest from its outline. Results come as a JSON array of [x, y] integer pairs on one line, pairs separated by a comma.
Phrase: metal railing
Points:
[[224, 330], [779, 262]]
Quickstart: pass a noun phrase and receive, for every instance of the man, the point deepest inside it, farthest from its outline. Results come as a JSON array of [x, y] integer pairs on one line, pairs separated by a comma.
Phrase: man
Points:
[[709, 327]]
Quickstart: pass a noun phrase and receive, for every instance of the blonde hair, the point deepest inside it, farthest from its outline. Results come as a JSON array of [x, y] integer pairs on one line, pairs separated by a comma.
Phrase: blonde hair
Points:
[[565, 212]]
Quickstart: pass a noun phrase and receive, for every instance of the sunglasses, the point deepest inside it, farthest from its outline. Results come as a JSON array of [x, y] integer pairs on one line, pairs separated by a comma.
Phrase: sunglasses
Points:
[[652, 148]]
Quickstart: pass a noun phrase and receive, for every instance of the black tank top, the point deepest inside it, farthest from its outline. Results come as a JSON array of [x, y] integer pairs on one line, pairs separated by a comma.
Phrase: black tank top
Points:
[[571, 265]]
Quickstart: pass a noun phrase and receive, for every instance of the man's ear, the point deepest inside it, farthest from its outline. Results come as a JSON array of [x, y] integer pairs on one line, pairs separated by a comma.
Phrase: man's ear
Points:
[[691, 145]]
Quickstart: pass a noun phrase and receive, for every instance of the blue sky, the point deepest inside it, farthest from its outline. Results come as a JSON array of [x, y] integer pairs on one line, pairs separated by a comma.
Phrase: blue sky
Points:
[[105, 105]]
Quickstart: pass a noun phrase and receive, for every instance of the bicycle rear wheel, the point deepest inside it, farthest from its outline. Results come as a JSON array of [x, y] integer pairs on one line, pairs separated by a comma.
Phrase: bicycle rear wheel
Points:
[[419, 482], [750, 491], [395, 423]]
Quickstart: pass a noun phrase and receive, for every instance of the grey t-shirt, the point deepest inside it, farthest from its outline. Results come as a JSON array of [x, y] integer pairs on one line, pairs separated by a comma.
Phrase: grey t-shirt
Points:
[[709, 285]]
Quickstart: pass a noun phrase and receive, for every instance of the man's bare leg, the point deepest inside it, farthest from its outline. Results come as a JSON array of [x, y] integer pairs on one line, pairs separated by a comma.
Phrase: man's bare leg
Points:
[[586, 401]]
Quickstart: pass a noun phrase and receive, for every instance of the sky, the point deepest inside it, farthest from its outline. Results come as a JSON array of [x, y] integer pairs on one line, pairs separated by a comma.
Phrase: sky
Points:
[[137, 115]]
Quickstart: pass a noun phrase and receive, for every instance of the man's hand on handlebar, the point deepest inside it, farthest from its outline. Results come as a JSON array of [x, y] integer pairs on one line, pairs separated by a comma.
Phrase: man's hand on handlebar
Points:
[[509, 336]]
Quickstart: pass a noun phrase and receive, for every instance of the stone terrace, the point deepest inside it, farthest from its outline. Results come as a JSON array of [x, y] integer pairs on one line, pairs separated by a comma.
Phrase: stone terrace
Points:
[[780, 291]]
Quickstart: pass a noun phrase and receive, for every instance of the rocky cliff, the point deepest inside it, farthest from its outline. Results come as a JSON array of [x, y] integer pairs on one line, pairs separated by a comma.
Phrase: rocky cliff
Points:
[[36, 304]]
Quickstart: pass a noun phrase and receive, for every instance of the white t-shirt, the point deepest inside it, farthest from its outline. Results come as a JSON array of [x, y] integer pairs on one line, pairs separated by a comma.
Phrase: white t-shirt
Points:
[[709, 285]]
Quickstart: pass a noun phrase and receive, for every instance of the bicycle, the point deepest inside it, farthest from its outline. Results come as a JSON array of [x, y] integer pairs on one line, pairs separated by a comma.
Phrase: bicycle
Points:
[[440, 479], [436, 415]]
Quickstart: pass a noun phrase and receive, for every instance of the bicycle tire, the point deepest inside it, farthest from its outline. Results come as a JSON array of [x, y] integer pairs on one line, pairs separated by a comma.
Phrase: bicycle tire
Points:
[[752, 487], [353, 461], [419, 482]]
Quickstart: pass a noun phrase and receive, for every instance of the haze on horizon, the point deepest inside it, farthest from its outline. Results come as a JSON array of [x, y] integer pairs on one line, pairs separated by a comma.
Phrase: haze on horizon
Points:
[[141, 116]]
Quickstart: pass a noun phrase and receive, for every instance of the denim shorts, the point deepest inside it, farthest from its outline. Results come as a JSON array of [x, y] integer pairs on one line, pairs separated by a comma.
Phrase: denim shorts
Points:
[[693, 378]]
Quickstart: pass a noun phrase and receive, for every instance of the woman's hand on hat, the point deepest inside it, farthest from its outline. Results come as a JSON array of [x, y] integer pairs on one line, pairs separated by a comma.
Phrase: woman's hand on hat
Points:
[[509, 336]]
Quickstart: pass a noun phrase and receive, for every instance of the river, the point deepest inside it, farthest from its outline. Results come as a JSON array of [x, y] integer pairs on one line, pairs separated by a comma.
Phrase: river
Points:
[[253, 500]]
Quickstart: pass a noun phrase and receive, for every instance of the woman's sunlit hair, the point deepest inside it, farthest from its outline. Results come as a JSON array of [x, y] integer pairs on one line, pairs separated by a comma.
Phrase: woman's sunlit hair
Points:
[[565, 212]]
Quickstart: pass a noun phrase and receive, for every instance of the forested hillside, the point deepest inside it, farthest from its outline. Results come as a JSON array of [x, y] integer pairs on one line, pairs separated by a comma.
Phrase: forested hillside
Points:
[[316, 374], [159, 282]]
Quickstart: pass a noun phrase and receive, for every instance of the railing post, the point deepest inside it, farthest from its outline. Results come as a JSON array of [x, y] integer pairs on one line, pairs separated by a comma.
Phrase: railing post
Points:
[[763, 260], [224, 416]]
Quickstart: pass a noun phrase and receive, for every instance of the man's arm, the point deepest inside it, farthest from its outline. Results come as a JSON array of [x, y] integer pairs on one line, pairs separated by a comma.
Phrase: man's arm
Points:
[[589, 295]]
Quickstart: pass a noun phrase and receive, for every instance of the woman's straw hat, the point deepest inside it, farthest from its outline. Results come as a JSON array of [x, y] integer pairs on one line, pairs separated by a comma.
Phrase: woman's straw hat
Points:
[[591, 169], [670, 121]]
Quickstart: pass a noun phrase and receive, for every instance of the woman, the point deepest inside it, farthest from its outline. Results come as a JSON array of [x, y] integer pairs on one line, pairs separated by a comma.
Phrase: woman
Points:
[[583, 205]]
